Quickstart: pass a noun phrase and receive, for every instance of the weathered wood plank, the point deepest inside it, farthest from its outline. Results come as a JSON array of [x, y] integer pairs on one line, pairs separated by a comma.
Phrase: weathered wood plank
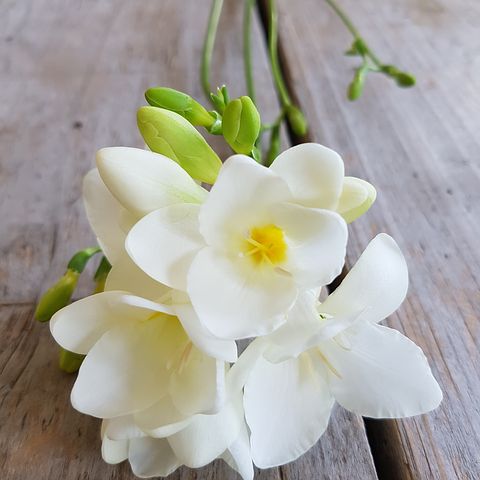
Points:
[[72, 76], [420, 149]]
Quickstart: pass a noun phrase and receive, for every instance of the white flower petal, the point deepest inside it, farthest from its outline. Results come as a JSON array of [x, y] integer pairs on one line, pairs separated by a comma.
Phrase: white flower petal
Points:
[[381, 373], [114, 451], [238, 455], [199, 385], [316, 242], [121, 428], [108, 219], [293, 337], [287, 407], [125, 371], [240, 371], [376, 285], [356, 198], [314, 174], [234, 299], [152, 457], [143, 181], [162, 419], [202, 338], [239, 200], [78, 326], [164, 243], [208, 436], [127, 276]]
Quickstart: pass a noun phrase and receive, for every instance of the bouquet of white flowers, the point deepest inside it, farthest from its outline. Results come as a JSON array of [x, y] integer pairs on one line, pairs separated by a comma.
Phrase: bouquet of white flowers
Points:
[[189, 270]]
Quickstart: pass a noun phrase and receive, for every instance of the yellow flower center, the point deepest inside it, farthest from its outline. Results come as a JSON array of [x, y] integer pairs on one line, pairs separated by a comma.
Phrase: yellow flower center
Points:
[[266, 245]]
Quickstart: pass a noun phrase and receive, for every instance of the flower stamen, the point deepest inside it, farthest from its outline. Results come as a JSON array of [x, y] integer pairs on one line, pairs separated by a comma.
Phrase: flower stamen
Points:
[[266, 245], [327, 363]]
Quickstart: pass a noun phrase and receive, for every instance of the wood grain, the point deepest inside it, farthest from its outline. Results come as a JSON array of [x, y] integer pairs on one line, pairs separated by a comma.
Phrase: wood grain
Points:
[[420, 149], [72, 76]]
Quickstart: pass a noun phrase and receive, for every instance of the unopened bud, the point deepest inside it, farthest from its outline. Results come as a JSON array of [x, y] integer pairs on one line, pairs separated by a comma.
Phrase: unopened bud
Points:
[[297, 121], [405, 79], [241, 125], [180, 103], [101, 274], [70, 362], [355, 89], [171, 135], [57, 296]]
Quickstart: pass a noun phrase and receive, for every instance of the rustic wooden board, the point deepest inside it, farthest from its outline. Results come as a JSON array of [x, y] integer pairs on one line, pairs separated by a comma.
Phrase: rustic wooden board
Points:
[[420, 148], [72, 76]]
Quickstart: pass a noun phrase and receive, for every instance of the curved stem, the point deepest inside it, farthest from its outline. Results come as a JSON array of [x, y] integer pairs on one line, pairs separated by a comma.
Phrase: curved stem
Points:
[[273, 53], [352, 29], [208, 45], [247, 48]]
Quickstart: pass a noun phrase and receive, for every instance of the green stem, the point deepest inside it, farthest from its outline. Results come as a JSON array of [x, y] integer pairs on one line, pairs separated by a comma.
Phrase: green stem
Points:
[[247, 48], [352, 29], [273, 53], [208, 45], [276, 123]]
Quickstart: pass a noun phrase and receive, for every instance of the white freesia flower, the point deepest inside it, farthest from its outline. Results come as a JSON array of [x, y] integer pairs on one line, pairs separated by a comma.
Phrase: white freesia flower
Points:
[[195, 442], [243, 254], [128, 184], [337, 351], [139, 354]]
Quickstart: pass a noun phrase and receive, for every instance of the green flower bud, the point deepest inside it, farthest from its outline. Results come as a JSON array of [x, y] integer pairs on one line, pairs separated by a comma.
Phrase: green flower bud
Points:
[[241, 125], [70, 362], [221, 99], [181, 103], [405, 79], [57, 296], [170, 134], [355, 89], [101, 274], [297, 120]]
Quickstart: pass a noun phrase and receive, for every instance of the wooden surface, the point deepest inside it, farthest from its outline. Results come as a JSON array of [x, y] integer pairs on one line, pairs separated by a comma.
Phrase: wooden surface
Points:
[[71, 77], [420, 148]]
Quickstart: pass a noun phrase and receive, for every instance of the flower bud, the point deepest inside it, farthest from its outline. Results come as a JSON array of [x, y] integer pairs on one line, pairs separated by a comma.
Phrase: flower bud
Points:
[[180, 103], [356, 198], [221, 99], [297, 121], [405, 79], [70, 362], [241, 125], [101, 274], [57, 296], [355, 89], [171, 135]]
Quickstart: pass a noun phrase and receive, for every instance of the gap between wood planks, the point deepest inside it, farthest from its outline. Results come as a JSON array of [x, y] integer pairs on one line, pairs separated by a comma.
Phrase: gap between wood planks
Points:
[[381, 434]]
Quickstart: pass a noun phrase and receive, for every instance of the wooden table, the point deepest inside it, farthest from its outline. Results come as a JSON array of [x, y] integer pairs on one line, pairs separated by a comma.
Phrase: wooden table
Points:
[[72, 75]]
